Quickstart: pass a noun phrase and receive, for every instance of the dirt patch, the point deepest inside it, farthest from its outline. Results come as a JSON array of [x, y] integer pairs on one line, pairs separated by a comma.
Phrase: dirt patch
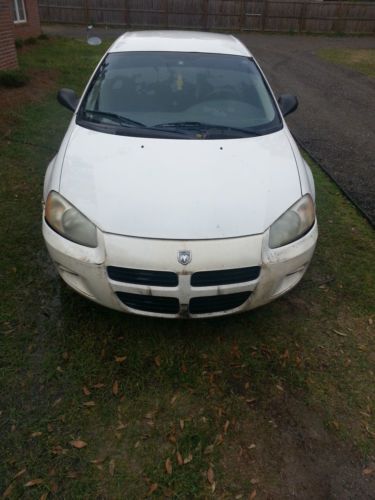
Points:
[[13, 99], [292, 455]]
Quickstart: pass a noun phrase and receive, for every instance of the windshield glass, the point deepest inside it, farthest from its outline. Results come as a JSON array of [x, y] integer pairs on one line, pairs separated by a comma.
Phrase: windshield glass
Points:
[[188, 95]]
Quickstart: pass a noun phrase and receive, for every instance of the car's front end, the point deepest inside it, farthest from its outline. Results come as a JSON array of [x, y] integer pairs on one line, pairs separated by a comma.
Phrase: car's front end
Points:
[[144, 276], [179, 218]]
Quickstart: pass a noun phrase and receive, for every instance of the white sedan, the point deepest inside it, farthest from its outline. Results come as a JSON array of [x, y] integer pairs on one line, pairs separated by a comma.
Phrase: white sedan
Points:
[[178, 190]]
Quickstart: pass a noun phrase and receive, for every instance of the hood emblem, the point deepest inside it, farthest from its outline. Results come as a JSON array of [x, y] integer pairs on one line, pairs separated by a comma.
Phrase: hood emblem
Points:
[[184, 257]]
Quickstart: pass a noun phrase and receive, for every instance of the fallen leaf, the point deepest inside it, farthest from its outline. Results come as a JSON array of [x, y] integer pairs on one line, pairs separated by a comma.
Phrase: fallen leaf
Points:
[[120, 359], [72, 474], [20, 473], [89, 403], [235, 351], [44, 496], [368, 471], [213, 487], [182, 424], [99, 385], [157, 360], [219, 439], [36, 434], [153, 487], [97, 461], [250, 401], [226, 425], [253, 495], [55, 403], [33, 482], [54, 488], [210, 475], [254, 481], [174, 399], [8, 491], [179, 458], [59, 450], [209, 449], [251, 446], [339, 333], [168, 466], [78, 443], [86, 391], [115, 388], [171, 438], [188, 459], [111, 467]]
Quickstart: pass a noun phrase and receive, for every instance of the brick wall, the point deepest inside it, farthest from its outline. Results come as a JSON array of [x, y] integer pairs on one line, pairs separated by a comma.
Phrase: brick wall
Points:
[[8, 54], [31, 28]]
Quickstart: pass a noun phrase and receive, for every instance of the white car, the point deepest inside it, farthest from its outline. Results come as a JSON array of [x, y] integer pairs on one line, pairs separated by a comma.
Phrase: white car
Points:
[[178, 190]]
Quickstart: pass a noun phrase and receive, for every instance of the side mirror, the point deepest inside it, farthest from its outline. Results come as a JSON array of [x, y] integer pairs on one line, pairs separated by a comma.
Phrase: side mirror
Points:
[[288, 103], [68, 98]]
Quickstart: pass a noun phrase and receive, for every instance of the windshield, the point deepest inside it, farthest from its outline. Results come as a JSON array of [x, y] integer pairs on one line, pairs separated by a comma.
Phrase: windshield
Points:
[[178, 94]]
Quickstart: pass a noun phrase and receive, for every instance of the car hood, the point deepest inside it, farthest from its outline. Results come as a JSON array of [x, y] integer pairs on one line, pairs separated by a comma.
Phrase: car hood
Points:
[[179, 189]]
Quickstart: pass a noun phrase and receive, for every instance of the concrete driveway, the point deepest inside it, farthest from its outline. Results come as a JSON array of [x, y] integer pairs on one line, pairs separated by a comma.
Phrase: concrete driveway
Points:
[[335, 120]]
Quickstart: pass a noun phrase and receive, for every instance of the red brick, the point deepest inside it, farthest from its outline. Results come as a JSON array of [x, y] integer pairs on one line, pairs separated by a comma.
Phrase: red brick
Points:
[[31, 28], [8, 54]]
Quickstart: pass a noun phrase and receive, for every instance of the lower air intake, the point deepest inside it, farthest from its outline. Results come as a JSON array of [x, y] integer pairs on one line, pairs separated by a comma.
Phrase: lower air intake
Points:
[[149, 303], [217, 303]]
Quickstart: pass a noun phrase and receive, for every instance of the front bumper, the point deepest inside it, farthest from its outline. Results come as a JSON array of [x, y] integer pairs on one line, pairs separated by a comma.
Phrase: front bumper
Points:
[[86, 269]]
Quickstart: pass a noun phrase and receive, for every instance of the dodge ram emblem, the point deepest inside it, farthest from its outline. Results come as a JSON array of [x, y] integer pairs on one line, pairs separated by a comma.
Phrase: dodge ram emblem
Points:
[[184, 257]]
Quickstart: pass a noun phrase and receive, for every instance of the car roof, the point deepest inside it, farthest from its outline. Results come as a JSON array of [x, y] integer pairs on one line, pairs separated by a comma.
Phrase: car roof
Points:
[[179, 41]]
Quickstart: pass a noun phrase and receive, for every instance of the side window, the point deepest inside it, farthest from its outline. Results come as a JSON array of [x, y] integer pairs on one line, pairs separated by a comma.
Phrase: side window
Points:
[[19, 12]]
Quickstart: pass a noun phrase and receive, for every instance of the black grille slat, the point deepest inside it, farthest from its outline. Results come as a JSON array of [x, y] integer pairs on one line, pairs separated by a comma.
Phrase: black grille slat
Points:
[[142, 276], [150, 303], [225, 277], [217, 303]]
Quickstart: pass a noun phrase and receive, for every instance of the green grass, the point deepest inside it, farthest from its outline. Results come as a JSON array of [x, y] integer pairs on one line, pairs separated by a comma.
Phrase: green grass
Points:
[[210, 389], [362, 60]]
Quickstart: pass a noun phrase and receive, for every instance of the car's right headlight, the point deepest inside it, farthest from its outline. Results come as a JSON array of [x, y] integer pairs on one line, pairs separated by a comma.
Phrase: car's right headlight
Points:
[[69, 222], [294, 223]]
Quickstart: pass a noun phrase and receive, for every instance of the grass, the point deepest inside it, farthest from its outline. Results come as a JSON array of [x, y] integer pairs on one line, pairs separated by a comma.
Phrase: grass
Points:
[[362, 60], [235, 396]]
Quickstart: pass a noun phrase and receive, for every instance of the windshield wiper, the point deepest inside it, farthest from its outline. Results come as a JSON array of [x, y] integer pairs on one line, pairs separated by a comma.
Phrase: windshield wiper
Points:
[[207, 128], [123, 120]]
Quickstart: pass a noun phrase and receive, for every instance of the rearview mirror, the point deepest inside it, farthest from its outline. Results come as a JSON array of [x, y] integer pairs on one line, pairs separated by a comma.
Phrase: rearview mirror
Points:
[[68, 98], [288, 103]]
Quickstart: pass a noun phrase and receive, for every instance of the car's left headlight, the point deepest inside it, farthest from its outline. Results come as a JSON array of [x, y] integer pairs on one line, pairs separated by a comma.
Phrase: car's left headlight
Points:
[[294, 223], [69, 222]]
